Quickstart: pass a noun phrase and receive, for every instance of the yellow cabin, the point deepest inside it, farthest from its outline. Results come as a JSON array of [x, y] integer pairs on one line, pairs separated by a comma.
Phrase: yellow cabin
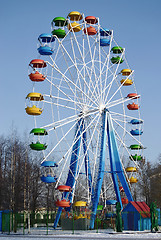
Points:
[[80, 204], [133, 180], [126, 72], [131, 169], [75, 26], [75, 16], [35, 96], [126, 82], [33, 110]]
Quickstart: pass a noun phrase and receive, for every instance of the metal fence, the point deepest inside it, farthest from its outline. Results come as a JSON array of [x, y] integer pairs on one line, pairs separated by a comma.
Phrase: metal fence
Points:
[[14, 221], [27, 221]]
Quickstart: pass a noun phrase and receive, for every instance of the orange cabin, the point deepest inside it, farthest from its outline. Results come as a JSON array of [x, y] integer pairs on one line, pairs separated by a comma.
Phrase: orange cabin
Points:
[[64, 188], [133, 106], [37, 77], [133, 95], [63, 203], [37, 63], [91, 20], [124, 200], [90, 30]]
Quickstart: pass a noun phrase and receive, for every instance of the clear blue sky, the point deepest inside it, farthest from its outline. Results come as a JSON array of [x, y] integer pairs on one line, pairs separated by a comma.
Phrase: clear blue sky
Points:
[[137, 27]]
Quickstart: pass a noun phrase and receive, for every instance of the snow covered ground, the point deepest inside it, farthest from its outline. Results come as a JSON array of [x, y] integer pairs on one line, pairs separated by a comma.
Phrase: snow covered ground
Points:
[[38, 234]]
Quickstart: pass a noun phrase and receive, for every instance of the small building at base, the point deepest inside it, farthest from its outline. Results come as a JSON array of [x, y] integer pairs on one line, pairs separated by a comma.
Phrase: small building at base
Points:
[[136, 216]]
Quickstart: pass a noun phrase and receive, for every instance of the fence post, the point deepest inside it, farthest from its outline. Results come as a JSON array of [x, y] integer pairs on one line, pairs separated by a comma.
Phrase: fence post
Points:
[[118, 218], [97, 223], [9, 221], [73, 224], [24, 222], [28, 219], [47, 221], [140, 221]]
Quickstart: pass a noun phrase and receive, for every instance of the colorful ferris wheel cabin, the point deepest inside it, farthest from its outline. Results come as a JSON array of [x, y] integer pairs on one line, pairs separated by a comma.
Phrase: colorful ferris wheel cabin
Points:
[[133, 106], [45, 50], [64, 188], [104, 42], [124, 201], [49, 164], [37, 63], [131, 169], [116, 60], [126, 72], [33, 96], [59, 22], [117, 50], [100, 208], [133, 95], [48, 179], [48, 175], [136, 157], [75, 16], [46, 38], [80, 204], [136, 121], [133, 180], [91, 20], [111, 202], [90, 30], [35, 111], [74, 26], [126, 82], [104, 32], [60, 33], [63, 203], [39, 131], [136, 132], [135, 147], [36, 77], [38, 146], [121, 189]]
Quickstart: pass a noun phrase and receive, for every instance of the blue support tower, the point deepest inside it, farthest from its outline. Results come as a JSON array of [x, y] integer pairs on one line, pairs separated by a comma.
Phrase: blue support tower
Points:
[[86, 160], [73, 167], [100, 174], [116, 167], [80, 130]]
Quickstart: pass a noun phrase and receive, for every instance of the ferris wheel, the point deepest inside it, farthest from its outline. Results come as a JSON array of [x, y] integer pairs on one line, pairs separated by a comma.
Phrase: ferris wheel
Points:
[[84, 100]]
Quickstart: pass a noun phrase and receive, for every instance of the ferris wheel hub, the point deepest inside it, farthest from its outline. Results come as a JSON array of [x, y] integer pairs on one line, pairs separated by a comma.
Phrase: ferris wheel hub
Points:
[[85, 110], [102, 107]]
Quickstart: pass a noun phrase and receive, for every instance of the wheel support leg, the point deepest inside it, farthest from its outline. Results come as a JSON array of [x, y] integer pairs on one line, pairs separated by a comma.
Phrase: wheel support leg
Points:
[[99, 180], [116, 167]]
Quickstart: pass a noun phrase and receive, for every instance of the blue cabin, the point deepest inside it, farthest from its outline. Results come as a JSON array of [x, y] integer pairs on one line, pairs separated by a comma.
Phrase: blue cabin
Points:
[[136, 132], [45, 39], [136, 216], [48, 175]]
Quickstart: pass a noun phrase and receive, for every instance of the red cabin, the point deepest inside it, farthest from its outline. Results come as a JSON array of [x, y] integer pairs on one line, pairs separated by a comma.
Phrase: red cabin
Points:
[[63, 203], [64, 188], [121, 189], [133, 95], [133, 106], [37, 77], [124, 200], [90, 30], [91, 20], [37, 63]]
